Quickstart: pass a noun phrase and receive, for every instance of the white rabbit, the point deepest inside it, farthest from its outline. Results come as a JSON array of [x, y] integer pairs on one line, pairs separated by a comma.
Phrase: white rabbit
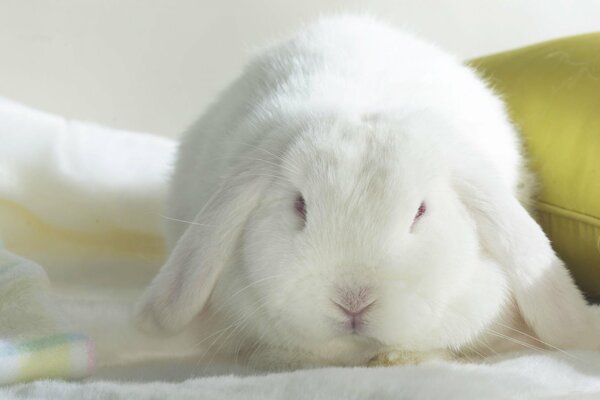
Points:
[[353, 196]]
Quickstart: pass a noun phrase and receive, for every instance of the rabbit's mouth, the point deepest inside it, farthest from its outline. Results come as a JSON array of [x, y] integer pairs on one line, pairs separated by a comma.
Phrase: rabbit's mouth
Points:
[[355, 317], [358, 339]]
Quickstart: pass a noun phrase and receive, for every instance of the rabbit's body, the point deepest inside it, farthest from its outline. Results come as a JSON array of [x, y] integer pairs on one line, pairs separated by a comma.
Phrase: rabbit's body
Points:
[[353, 197]]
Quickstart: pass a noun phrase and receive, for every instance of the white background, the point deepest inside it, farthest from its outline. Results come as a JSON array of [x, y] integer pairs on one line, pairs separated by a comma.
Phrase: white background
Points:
[[152, 65]]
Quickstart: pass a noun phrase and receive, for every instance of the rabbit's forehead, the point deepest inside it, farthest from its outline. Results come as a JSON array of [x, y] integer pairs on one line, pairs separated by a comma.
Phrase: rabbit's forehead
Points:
[[369, 159]]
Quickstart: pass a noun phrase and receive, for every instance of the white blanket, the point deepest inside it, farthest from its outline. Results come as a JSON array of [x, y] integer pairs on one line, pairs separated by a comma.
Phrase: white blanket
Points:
[[542, 376], [82, 200], [85, 202]]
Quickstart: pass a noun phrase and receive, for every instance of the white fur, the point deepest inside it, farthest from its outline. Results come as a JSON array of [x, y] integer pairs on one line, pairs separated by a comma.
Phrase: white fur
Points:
[[366, 122]]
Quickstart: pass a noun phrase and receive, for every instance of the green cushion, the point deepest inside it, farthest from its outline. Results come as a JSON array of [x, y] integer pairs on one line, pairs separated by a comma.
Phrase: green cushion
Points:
[[552, 92]]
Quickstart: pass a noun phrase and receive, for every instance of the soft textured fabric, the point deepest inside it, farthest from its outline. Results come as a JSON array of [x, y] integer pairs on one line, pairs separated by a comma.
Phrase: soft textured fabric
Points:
[[552, 90], [528, 377], [81, 205], [34, 343], [91, 192]]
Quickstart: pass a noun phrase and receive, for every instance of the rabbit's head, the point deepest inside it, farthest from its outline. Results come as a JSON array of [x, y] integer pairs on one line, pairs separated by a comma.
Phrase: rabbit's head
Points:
[[361, 237], [348, 235]]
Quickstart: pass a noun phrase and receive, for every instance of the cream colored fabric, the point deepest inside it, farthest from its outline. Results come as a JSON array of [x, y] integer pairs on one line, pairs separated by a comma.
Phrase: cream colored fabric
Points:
[[92, 193]]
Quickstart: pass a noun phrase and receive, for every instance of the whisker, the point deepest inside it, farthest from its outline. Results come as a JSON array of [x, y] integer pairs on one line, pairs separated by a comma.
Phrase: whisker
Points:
[[540, 341], [235, 327], [239, 328], [490, 348], [514, 340], [478, 353], [214, 314], [257, 346], [201, 224], [246, 288]]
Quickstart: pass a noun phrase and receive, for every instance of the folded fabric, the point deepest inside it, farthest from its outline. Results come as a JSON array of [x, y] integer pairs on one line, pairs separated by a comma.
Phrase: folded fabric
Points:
[[78, 176], [85, 202], [32, 343], [77, 189]]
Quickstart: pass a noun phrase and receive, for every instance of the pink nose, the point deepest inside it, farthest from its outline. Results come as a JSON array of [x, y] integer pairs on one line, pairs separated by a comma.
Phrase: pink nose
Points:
[[354, 311], [355, 314], [354, 303]]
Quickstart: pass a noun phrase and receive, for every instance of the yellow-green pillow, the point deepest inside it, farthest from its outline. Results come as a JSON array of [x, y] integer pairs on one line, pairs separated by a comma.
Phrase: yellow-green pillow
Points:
[[552, 92]]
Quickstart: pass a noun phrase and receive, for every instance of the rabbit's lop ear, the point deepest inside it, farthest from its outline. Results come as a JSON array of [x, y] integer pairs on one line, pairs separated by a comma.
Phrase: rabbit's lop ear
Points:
[[186, 280], [545, 293]]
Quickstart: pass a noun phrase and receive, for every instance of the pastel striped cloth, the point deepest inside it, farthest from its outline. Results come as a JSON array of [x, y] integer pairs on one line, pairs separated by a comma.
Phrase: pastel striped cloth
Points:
[[64, 356], [32, 344]]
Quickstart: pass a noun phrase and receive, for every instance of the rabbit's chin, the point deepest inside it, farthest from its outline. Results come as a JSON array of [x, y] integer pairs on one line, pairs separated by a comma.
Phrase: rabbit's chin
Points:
[[354, 351], [351, 350], [287, 353], [219, 342]]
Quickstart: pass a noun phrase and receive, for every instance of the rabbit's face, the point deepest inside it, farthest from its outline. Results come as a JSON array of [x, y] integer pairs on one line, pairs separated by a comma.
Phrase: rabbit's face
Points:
[[361, 241]]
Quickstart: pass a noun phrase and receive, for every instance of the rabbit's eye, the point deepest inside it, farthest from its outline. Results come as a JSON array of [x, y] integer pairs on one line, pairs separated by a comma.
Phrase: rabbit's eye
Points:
[[300, 206], [422, 209]]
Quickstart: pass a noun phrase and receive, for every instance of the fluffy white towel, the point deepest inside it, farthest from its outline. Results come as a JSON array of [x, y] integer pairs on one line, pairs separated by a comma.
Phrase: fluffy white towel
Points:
[[79, 176], [82, 200], [528, 377]]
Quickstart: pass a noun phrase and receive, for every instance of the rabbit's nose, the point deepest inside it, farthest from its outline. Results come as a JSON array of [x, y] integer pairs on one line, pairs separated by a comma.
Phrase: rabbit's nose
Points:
[[354, 311], [355, 314], [354, 303]]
